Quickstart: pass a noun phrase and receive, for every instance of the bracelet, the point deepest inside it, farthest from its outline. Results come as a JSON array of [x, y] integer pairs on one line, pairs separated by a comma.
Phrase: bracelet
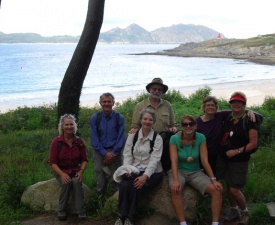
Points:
[[213, 178], [239, 151]]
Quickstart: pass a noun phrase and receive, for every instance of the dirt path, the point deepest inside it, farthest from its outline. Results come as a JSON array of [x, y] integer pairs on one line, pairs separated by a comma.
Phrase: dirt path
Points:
[[51, 219]]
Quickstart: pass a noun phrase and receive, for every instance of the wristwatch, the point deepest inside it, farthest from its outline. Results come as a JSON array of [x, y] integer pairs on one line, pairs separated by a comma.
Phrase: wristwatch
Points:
[[213, 178]]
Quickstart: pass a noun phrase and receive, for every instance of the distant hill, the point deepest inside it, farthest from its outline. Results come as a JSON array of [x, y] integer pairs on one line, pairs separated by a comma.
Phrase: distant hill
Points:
[[259, 49], [174, 34], [35, 38], [133, 34]]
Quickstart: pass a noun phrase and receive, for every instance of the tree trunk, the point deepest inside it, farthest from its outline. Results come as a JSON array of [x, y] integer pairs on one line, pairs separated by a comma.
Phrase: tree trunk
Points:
[[71, 86]]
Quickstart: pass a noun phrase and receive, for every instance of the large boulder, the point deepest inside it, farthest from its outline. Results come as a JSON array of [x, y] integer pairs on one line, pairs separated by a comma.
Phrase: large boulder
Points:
[[45, 195], [160, 200]]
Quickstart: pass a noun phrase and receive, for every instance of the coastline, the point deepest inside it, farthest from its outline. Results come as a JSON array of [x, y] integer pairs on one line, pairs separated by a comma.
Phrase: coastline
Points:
[[264, 60], [255, 90]]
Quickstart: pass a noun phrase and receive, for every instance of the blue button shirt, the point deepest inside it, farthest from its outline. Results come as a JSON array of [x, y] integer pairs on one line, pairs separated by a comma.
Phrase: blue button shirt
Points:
[[111, 134]]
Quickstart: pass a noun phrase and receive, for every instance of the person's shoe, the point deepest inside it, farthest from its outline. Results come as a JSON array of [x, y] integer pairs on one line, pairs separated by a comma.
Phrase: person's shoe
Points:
[[244, 218], [82, 216], [119, 221], [234, 215], [62, 215], [129, 221]]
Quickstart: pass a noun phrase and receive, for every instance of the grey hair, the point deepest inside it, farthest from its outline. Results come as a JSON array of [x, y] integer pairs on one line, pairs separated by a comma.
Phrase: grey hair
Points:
[[61, 123], [152, 113], [107, 94]]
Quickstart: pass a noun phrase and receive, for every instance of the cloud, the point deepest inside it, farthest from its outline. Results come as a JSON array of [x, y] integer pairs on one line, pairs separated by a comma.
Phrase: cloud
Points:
[[235, 19]]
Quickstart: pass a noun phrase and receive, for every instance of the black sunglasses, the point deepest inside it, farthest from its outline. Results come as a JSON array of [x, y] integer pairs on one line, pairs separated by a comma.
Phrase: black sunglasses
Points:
[[190, 124]]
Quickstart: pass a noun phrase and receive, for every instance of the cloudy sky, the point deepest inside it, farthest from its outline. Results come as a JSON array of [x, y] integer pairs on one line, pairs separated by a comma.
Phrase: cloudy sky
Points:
[[234, 19]]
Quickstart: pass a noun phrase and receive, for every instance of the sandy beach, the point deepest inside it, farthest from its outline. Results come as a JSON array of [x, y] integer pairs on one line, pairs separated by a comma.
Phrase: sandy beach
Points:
[[256, 91]]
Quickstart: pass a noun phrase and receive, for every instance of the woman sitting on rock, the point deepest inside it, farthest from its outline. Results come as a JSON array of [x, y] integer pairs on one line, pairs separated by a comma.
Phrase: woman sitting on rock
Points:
[[187, 148], [68, 160], [143, 160]]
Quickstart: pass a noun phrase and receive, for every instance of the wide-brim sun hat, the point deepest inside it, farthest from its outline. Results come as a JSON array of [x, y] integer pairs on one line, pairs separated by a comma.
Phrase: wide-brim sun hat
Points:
[[237, 97], [159, 82], [118, 174]]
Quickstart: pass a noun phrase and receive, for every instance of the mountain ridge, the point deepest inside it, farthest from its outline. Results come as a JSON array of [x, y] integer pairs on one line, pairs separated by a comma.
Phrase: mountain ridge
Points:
[[132, 34]]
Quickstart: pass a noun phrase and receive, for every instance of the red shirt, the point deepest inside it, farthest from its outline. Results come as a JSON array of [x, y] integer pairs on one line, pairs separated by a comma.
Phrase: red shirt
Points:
[[68, 158]]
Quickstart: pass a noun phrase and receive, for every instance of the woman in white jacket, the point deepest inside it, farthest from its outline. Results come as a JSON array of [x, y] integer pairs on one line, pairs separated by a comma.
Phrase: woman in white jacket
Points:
[[145, 155]]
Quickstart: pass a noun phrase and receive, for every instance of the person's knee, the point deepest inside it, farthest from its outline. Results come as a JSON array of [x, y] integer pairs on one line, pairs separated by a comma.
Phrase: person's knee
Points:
[[125, 184], [213, 191], [75, 182], [233, 191]]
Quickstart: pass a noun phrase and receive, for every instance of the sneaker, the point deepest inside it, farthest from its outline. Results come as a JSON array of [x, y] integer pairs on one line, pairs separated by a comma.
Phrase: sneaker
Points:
[[62, 215], [119, 221], [234, 215], [82, 216], [244, 218], [129, 221]]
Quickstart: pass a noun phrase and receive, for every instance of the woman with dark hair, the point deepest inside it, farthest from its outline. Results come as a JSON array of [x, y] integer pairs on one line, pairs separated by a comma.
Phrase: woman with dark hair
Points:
[[187, 149], [210, 124], [68, 159], [142, 160]]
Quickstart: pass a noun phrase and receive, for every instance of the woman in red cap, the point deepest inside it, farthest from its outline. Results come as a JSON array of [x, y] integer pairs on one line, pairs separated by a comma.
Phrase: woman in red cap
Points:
[[232, 165]]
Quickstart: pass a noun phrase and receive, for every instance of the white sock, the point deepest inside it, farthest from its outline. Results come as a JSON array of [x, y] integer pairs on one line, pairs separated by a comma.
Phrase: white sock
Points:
[[183, 223], [215, 223]]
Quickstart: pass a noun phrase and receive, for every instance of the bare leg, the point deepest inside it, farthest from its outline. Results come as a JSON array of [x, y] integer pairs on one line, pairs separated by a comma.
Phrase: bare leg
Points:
[[216, 202], [178, 206], [236, 197]]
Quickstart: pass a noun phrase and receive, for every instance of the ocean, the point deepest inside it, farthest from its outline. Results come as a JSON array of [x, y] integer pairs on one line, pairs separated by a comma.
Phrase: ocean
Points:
[[31, 74]]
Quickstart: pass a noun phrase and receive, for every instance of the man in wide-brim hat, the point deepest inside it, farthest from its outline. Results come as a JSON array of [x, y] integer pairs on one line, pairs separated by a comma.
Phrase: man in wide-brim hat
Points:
[[157, 81], [165, 119]]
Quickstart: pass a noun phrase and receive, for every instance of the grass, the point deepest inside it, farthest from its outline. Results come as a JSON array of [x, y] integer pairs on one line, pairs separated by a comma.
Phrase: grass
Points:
[[26, 134]]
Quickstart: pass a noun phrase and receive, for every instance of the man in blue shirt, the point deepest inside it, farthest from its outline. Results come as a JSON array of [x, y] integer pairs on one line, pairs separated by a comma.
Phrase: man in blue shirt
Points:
[[108, 139]]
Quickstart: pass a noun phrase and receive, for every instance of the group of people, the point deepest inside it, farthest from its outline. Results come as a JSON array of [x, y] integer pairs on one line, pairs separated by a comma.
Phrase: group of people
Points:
[[207, 149]]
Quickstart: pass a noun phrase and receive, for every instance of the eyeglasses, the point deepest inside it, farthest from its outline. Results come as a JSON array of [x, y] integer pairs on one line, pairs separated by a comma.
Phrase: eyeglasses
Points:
[[157, 89], [190, 124], [210, 105]]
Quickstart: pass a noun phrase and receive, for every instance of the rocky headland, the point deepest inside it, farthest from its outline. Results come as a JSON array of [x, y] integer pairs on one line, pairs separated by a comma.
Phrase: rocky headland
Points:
[[259, 49]]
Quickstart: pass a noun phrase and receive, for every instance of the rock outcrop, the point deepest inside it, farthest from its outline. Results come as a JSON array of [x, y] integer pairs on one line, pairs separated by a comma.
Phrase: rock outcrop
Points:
[[45, 195], [160, 201]]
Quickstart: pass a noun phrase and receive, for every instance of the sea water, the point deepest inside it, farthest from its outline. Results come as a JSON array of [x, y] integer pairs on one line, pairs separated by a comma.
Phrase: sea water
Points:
[[31, 74]]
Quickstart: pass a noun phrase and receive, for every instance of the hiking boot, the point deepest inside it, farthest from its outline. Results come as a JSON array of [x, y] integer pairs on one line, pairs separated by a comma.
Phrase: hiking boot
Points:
[[119, 221], [62, 215], [234, 215], [82, 216], [244, 218], [129, 221]]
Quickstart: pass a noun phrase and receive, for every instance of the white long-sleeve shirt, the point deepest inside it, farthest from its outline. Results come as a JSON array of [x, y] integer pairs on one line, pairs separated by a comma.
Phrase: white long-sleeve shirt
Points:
[[141, 157]]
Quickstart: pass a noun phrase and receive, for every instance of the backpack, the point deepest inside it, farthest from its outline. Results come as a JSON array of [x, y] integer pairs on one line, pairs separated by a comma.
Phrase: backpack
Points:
[[98, 120], [259, 119], [165, 157], [152, 142]]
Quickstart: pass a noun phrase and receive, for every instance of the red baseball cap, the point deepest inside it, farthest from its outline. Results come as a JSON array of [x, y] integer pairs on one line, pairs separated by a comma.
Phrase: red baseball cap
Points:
[[237, 98]]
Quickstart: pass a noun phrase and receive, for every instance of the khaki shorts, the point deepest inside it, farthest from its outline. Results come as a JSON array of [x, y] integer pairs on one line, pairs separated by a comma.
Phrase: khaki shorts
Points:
[[198, 180]]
